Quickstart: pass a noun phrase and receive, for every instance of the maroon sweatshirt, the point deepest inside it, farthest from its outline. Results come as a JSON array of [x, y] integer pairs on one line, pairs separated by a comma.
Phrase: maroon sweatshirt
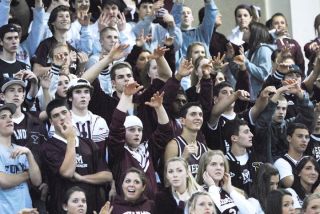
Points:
[[121, 158], [142, 205]]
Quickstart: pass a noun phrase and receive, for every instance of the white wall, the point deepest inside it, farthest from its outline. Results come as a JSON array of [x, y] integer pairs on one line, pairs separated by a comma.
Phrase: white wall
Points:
[[302, 17]]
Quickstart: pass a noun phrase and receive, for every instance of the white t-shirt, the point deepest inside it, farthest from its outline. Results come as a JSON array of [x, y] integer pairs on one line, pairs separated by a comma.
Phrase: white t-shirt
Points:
[[284, 167]]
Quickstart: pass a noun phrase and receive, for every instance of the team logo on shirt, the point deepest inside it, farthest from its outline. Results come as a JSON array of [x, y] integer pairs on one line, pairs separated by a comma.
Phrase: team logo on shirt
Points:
[[226, 200], [34, 138], [20, 134], [246, 176], [256, 165], [316, 153], [79, 161], [193, 168], [137, 212]]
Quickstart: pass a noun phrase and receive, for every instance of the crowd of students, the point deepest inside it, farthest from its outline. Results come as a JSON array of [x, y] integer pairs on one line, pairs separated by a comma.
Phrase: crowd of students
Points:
[[129, 108]]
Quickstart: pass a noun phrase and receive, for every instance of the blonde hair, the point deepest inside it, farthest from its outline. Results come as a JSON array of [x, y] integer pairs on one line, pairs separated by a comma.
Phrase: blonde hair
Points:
[[193, 200], [308, 199], [192, 185], [205, 161], [57, 45]]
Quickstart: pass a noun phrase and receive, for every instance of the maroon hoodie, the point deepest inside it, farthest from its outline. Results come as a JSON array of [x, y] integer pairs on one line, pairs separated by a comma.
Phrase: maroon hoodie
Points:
[[141, 206], [121, 158]]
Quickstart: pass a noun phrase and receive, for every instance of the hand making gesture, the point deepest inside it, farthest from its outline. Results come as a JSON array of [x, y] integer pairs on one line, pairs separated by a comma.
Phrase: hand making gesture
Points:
[[156, 100]]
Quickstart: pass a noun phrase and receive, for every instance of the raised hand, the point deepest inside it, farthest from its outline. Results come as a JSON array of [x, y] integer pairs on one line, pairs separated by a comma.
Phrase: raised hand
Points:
[[45, 81], [106, 209], [268, 91], [82, 57], [132, 88], [207, 69], [60, 59], [26, 75], [118, 51], [227, 186], [156, 100], [294, 87], [230, 50], [168, 18], [19, 74], [142, 39], [286, 49], [84, 17], [185, 69], [121, 22], [217, 62], [103, 21], [242, 95], [57, 3], [157, 5], [279, 92], [239, 59], [158, 52]]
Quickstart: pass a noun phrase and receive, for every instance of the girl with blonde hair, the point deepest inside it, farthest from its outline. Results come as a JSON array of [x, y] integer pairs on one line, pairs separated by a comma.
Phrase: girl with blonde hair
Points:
[[213, 173], [180, 185]]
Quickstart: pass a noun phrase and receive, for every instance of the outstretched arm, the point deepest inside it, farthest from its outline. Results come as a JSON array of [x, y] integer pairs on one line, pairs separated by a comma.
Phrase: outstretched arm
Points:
[[261, 102], [117, 52], [126, 98], [164, 70], [222, 105]]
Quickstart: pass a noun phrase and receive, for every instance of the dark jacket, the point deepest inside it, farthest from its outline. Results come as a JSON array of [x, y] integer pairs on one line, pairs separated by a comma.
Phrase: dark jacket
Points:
[[166, 204], [311, 55], [271, 136]]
